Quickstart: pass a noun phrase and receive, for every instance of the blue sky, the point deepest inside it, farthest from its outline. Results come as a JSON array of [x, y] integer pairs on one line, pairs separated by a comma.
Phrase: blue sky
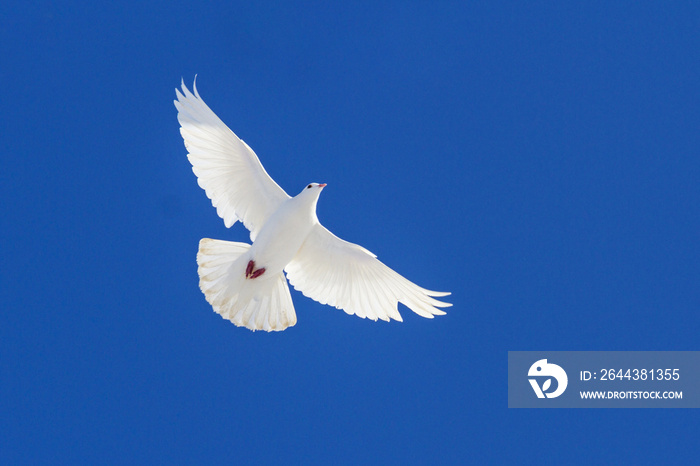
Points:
[[538, 159]]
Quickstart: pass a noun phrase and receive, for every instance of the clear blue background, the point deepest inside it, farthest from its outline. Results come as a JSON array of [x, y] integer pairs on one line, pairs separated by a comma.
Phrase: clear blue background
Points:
[[538, 159]]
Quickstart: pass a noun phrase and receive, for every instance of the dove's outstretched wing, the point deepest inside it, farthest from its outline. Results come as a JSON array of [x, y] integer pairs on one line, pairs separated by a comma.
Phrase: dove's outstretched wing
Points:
[[349, 277], [226, 167]]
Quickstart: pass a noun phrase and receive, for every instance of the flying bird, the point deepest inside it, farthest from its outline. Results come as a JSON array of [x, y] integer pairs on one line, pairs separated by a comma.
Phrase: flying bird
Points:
[[245, 283]]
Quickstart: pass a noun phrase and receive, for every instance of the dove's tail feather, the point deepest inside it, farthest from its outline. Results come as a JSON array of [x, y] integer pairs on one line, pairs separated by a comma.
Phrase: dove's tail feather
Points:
[[262, 303]]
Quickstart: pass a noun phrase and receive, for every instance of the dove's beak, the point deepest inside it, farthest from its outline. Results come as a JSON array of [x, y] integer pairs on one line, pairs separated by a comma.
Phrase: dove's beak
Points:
[[322, 185]]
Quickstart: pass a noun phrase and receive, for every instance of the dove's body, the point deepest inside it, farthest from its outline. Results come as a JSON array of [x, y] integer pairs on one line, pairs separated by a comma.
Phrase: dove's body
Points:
[[246, 284], [281, 237]]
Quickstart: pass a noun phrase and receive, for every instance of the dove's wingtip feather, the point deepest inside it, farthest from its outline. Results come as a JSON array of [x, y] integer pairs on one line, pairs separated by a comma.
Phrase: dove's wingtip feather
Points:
[[437, 294]]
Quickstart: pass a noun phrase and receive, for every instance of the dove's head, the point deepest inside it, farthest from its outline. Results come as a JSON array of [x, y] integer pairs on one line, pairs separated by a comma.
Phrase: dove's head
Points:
[[310, 193], [312, 190]]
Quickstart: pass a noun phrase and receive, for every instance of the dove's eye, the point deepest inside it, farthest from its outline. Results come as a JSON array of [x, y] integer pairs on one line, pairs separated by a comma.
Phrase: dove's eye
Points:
[[308, 186]]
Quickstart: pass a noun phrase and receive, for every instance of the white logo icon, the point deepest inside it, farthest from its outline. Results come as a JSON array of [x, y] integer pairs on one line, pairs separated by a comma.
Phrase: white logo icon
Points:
[[543, 369]]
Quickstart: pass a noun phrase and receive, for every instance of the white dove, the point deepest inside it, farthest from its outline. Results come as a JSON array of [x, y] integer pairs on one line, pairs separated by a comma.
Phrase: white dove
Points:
[[245, 283]]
